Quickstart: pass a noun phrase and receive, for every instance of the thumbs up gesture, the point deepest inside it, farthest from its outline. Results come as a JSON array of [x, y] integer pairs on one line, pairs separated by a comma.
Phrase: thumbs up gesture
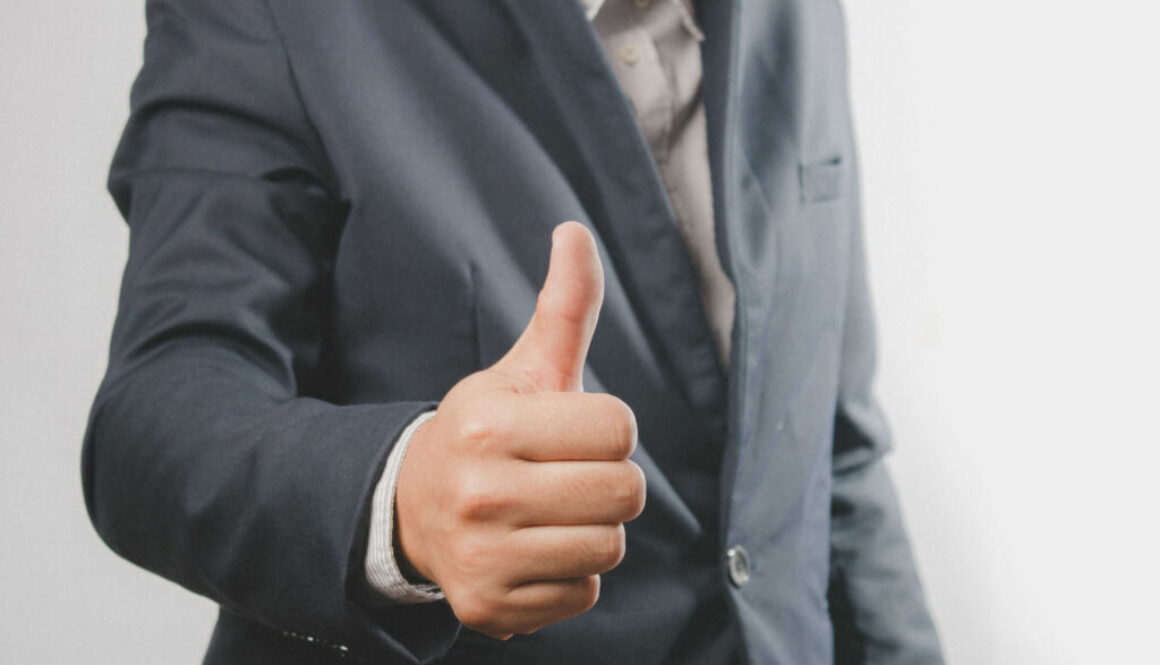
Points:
[[512, 498]]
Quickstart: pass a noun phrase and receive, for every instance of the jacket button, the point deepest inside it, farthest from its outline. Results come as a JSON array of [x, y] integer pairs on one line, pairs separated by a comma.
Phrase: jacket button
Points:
[[738, 561]]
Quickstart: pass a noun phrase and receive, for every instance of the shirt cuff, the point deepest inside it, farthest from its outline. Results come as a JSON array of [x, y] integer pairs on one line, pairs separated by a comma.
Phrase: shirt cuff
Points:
[[382, 568]]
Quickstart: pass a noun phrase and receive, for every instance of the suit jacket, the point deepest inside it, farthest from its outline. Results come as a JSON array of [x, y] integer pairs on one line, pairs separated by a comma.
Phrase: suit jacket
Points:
[[339, 209]]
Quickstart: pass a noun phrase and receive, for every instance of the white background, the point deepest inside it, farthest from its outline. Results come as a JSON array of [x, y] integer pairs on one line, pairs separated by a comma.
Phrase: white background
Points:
[[1011, 178]]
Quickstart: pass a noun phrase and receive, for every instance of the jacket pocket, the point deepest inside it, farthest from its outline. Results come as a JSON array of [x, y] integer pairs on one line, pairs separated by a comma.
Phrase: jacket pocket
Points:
[[822, 181]]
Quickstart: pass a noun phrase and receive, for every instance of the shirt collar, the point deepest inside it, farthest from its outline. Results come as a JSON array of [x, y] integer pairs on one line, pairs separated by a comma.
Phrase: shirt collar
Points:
[[591, 7]]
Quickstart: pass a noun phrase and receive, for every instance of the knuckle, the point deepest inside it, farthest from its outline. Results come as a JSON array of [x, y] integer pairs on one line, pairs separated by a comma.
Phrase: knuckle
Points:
[[637, 490], [588, 593], [477, 433], [581, 595], [628, 491], [622, 423], [476, 612], [608, 547], [476, 499]]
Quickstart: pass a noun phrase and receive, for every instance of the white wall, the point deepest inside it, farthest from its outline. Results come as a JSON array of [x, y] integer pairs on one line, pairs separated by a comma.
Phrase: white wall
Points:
[[1010, 155], [1010, 150], [65, 71]]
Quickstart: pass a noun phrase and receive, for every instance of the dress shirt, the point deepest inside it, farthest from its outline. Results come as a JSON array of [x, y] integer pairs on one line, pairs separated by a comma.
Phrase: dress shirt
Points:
[[382, 566], [654, 49]]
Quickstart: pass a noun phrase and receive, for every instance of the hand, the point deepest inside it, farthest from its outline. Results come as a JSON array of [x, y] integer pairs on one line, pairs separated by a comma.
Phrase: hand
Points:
[[512, 498]]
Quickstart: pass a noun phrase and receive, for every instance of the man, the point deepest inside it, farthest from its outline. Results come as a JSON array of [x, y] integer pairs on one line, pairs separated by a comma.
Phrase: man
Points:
[[336, 406]]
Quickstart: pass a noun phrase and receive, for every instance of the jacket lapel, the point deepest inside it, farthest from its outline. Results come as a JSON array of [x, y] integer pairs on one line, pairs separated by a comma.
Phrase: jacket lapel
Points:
[[607, 159], [718, 71], [719, 21]]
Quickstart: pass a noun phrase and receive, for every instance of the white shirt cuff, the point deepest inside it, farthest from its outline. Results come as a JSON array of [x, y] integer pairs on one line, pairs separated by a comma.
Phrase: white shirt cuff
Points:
[[382, 567]]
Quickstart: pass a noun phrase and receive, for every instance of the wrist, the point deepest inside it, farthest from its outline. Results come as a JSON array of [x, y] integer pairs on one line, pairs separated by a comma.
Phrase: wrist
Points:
[[408, 520], [386, 570], [409, 573]]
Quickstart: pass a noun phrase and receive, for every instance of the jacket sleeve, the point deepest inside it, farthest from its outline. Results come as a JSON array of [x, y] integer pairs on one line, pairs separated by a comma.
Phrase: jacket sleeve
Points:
[[212, 455], [876, 600]]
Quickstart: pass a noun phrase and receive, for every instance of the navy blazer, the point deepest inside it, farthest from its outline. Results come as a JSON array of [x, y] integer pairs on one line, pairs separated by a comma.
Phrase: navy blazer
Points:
[[339, 209]]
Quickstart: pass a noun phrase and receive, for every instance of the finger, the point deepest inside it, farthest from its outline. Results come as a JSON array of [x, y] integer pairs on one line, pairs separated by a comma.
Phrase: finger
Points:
[[552, 349], [546, 553], [552, 427], [575, 493], [538, 604]]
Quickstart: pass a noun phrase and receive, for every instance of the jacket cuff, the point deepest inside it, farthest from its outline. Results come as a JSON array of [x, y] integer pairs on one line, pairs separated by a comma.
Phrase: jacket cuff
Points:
[[382, 568]]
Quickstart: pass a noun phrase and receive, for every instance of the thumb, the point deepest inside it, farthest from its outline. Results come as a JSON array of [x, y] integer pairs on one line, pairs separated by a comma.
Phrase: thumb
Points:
[[552, 349]]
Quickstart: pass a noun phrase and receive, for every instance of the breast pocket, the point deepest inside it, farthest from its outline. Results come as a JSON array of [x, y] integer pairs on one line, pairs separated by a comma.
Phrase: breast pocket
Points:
[[822, 181]]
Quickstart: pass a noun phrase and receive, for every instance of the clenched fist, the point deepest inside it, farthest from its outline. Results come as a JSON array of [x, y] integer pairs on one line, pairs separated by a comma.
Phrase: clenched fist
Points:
[[512, 498]]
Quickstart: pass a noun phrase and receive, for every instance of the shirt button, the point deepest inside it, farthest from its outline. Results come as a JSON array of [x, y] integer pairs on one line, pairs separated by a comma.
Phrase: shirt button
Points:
[[628, 54], [738, 561]]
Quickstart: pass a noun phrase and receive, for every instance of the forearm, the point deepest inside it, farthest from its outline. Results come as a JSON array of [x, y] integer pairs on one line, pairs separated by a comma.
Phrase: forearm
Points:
[[256, 502]]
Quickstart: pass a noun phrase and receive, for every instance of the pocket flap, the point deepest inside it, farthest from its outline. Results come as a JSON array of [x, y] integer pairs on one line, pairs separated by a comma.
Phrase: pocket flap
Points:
[[822, 181]]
